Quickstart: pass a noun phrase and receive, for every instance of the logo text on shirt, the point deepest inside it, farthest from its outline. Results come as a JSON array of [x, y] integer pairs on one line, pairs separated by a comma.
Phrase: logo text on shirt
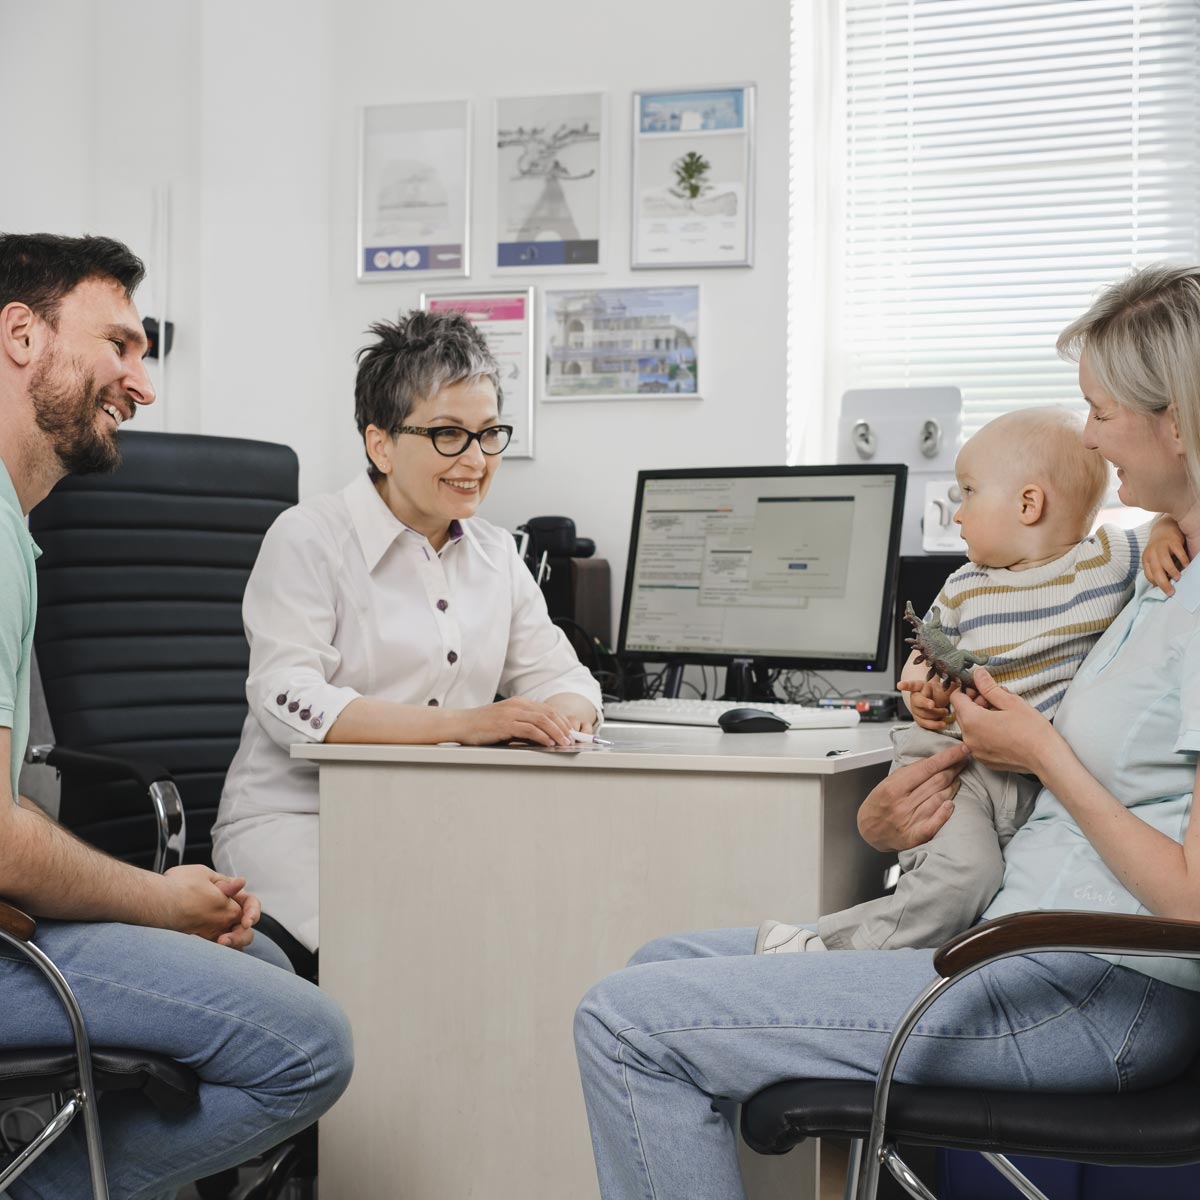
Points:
[[1092, 895]]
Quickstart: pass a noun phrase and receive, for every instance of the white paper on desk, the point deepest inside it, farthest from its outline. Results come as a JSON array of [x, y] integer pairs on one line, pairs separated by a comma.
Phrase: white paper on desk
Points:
[[576, 748]]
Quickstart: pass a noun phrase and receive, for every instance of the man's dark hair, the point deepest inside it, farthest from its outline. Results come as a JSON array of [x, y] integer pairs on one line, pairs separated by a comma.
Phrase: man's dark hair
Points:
[[39, 269], [414, 358]]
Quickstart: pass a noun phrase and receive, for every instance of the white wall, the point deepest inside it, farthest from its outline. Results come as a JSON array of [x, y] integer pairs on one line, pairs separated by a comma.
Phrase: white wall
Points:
[[106, 101], [247, 113]]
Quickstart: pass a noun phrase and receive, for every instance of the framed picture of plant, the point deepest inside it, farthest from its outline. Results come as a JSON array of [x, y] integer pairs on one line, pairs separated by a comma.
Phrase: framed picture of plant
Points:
[[693, 177]]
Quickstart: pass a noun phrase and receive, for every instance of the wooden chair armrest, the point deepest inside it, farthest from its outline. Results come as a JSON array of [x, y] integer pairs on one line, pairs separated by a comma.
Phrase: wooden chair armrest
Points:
[[1028, 932], [16, 923]]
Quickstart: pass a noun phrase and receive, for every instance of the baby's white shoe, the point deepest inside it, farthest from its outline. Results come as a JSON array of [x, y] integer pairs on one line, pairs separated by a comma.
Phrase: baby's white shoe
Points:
[[774, 937]]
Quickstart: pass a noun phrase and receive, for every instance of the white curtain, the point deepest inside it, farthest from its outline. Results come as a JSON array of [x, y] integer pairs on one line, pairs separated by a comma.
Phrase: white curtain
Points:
[[994, 164]]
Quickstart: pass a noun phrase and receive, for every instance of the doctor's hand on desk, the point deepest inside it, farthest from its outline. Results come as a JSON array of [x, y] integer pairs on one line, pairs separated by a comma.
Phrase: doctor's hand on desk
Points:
[[545, 724]]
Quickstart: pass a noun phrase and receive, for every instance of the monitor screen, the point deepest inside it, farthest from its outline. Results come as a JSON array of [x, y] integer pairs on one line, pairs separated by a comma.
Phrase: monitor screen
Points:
[[786, 566]]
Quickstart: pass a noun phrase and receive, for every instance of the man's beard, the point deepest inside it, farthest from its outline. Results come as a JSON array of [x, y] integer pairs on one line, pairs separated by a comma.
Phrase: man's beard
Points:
[[65, 405]]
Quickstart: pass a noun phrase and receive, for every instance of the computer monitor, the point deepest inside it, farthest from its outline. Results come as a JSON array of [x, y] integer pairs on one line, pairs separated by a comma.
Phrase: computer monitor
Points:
[[758, 568]]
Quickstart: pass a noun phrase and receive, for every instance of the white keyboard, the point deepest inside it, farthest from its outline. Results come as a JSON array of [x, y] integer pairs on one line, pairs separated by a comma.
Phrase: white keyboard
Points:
[[705, 712]]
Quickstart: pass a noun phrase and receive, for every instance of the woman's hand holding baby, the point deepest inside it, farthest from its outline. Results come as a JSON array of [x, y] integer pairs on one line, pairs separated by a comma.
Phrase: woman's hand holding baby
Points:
[[1165, 555], [1002, 731]]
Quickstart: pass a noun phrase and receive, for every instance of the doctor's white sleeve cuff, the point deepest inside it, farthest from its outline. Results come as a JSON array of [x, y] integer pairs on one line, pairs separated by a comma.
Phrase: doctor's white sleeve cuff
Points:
[[307, 709]]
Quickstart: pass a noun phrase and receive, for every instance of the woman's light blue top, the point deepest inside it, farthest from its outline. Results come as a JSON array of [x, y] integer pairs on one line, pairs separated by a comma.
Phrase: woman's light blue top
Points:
[[1132, 716]]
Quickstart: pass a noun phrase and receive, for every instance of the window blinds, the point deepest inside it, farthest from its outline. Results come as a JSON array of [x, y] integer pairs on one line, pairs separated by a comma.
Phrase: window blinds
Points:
[[1001, 162]]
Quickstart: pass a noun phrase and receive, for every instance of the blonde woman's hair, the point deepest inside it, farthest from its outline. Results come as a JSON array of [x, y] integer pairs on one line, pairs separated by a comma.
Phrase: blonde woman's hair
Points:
[[1049, 450], [1142, 339]]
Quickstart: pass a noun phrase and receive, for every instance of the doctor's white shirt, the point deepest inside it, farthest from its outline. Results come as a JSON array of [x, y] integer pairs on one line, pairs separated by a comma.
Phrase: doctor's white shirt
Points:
[[345, 601]]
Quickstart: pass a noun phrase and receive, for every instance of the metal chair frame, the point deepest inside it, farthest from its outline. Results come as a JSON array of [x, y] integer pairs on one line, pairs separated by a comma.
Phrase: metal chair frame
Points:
[[80, 1099], [866, 1160]]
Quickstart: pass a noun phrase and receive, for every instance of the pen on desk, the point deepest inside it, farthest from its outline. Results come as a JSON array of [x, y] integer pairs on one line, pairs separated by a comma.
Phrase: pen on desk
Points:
[[590, 738]]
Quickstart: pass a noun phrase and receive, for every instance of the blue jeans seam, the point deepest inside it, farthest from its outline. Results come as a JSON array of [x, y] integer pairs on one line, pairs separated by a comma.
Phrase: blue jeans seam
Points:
[[222, 1013], [633, 1111], [886, 1031], [1127, 1044], [1100, 983]]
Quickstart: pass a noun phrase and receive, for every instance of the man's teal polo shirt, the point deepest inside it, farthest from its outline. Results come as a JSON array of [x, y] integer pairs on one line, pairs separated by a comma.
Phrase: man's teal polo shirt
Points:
[[18, 610]]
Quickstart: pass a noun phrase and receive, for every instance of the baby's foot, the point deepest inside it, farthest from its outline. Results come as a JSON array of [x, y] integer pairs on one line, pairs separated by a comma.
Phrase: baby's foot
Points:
[[774, 937]]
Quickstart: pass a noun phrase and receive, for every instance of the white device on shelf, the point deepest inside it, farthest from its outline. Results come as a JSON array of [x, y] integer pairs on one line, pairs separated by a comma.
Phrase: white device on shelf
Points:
[[939, 534], [682, 711], [920, 426]]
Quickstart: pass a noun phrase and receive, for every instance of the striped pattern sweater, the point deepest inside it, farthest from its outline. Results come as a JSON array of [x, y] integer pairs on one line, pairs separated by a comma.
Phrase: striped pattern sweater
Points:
[[1039, 625]]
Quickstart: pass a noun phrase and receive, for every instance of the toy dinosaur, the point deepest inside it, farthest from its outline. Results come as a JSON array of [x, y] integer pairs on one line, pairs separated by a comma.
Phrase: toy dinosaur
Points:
[[934, 647]]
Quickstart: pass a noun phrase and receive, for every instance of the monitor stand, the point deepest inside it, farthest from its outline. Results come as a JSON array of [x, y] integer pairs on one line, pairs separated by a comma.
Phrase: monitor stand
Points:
[[672, 680], [748, 681]]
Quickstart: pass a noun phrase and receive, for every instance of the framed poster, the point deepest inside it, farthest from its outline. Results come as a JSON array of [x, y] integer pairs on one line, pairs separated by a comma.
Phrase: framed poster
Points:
[[549, 181], [414, 190], [621, 343], [693, 174], [505, 318]]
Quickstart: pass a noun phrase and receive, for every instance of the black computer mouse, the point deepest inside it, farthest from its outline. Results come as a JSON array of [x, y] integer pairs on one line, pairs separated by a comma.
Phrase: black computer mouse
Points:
[[751, 720]]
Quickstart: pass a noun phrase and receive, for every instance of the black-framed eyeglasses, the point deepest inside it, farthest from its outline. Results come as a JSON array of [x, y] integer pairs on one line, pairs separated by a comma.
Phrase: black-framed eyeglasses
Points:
[[452, 440]]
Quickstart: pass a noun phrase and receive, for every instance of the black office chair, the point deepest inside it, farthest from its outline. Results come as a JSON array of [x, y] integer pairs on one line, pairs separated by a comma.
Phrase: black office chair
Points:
[[1156, 1127], [140, 645], [139, 635]]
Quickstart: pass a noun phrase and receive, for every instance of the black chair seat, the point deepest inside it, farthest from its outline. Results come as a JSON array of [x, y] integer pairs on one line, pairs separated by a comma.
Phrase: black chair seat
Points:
[[1160, 1126], [169, 1086]]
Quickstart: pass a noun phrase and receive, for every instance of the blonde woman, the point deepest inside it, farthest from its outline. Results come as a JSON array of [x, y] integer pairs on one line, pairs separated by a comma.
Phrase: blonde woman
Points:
[[697, 1023]]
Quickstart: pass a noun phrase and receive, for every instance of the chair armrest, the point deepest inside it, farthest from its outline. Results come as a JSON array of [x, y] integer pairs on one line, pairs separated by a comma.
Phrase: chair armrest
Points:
[[16, 923], [1030, 932], [100, 766], [156, 779]]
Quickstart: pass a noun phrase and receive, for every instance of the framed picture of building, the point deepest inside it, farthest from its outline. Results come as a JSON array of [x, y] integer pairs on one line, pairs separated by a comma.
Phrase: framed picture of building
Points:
[[551, 161], [505, 318], [693, 177], [414, 190], [621, 343]]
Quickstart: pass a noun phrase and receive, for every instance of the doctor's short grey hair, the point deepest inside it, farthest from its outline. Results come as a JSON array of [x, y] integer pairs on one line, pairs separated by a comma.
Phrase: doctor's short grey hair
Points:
[[1142, 340], [413, 358]]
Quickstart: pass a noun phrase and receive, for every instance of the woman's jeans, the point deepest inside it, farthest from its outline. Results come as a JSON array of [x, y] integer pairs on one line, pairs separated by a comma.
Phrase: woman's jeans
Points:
[[698, 1018], [272, 1052]]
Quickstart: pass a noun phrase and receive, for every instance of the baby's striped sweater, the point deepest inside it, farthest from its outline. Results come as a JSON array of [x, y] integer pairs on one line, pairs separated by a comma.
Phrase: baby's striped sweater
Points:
[[1038, 625]]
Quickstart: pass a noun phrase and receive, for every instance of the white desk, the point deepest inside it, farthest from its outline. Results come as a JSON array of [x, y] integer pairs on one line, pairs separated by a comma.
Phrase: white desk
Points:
[[471, 895]]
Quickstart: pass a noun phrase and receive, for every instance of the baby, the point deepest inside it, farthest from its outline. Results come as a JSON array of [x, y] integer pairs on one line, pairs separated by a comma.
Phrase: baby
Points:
[[1036, 595]]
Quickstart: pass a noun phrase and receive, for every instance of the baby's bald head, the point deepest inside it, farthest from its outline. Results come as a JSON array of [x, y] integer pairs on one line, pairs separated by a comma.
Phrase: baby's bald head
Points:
[[1045, 446]]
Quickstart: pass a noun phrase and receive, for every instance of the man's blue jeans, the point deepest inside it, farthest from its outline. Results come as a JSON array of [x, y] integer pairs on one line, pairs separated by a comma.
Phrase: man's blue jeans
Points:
[[272, 1052], [697, 1023]]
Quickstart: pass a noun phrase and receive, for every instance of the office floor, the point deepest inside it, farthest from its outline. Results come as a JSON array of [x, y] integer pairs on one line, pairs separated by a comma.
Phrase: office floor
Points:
[[834, 1155]]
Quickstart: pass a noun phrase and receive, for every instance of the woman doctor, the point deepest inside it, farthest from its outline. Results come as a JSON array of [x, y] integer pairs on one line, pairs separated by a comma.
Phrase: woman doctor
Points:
[[390, 612]]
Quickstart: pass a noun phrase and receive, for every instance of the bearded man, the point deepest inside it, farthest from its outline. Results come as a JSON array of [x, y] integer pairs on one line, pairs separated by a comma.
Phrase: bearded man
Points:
[[153, 959]]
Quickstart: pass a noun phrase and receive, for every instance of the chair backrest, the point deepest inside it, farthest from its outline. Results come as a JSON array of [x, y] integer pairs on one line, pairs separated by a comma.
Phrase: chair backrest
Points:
[[139, 634]]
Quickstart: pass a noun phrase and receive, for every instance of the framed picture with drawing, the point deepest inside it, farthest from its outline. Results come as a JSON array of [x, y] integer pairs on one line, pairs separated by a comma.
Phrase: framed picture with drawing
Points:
[[551, 178], [414, 190]]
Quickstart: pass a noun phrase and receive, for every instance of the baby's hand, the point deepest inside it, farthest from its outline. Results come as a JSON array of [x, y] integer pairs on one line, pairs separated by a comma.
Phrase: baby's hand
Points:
[[929, 702], [1165, 555]]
